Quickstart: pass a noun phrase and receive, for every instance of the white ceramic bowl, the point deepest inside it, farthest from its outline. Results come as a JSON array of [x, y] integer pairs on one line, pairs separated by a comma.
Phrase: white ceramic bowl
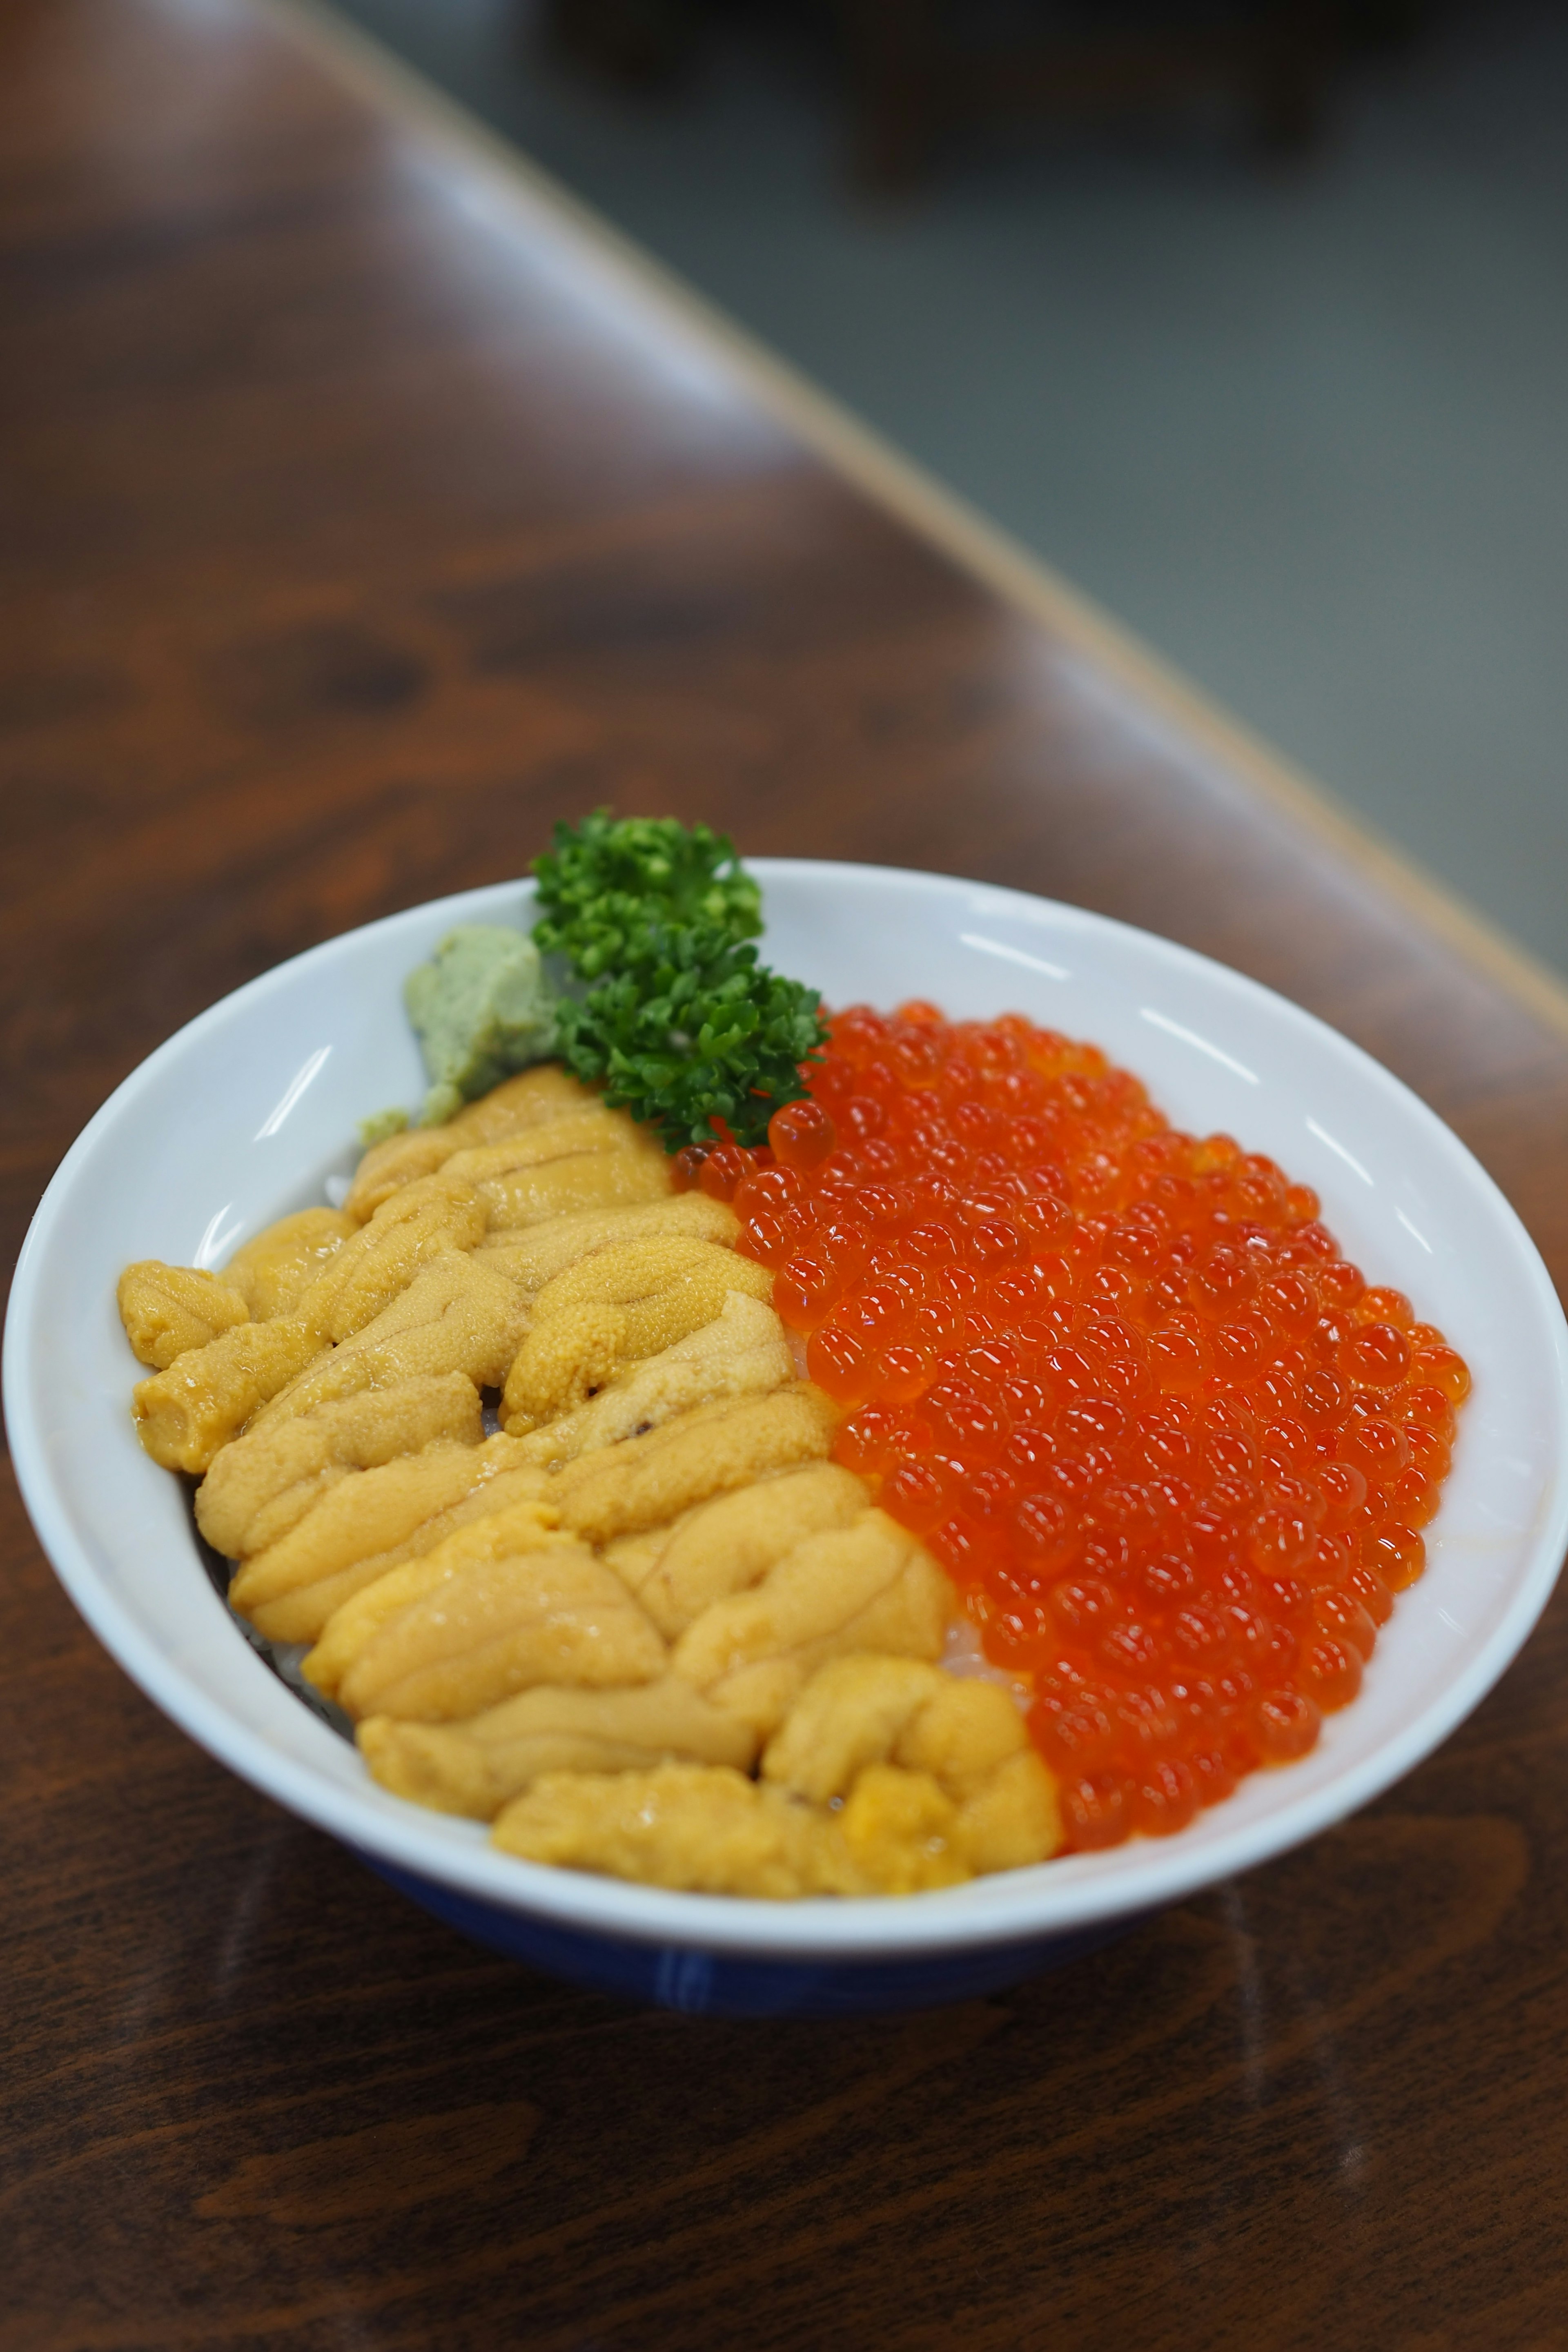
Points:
[[246, 1113]]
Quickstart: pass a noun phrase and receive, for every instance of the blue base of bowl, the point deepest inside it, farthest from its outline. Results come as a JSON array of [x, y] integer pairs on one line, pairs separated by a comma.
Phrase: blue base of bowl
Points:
[[714, 1984]]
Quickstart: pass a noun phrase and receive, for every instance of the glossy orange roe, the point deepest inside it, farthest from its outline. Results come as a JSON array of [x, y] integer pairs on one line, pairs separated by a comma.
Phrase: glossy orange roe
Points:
[[1175, 1453]]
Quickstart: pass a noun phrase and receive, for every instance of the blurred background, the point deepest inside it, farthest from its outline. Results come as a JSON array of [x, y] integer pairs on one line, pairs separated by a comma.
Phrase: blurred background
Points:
[[1251, 320]]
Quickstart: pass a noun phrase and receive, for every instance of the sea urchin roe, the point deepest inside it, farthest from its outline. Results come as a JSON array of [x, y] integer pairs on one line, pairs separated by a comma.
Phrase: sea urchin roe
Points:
[[1173, 1451]]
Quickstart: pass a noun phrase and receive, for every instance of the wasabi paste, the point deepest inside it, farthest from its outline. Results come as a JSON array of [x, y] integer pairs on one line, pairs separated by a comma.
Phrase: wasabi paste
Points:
[[481, 1008], [380, 1124]]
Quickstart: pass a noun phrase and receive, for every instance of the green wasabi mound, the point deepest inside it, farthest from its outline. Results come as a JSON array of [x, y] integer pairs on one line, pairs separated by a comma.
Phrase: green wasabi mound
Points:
[[481, 1008], [380, 1124]]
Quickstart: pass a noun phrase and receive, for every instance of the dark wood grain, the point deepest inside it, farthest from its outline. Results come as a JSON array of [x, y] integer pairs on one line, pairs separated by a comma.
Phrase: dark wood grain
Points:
[[353, 529]]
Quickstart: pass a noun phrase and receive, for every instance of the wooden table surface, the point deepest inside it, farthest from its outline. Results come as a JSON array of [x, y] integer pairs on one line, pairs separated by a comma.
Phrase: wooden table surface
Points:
[[358, 520]]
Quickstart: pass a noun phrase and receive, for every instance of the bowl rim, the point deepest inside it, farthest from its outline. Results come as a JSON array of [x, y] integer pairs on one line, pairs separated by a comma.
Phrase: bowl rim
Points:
[[1028, 1906]]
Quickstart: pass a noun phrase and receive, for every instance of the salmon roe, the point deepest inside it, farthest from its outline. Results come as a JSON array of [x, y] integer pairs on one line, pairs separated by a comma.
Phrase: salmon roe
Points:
[[1175, 1453]]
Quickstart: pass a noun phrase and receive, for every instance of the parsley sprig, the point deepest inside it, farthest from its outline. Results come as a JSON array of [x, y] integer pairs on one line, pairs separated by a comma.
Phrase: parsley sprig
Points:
[[607, 882], [681, 1022]]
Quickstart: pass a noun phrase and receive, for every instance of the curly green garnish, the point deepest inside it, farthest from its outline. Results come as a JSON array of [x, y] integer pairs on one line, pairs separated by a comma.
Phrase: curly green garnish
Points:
[[680, 1023], [607, 883]]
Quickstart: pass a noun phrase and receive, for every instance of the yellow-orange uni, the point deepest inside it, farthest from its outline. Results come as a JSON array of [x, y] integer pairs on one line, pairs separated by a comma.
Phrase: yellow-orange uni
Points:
[[1175, 1452]]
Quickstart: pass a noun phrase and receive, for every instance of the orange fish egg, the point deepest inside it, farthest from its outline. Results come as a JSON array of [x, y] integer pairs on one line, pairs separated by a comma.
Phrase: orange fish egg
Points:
[[1175, 1452]]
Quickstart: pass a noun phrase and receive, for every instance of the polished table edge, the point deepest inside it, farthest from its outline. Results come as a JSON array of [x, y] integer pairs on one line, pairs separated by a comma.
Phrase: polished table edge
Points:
[[882, 473]]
